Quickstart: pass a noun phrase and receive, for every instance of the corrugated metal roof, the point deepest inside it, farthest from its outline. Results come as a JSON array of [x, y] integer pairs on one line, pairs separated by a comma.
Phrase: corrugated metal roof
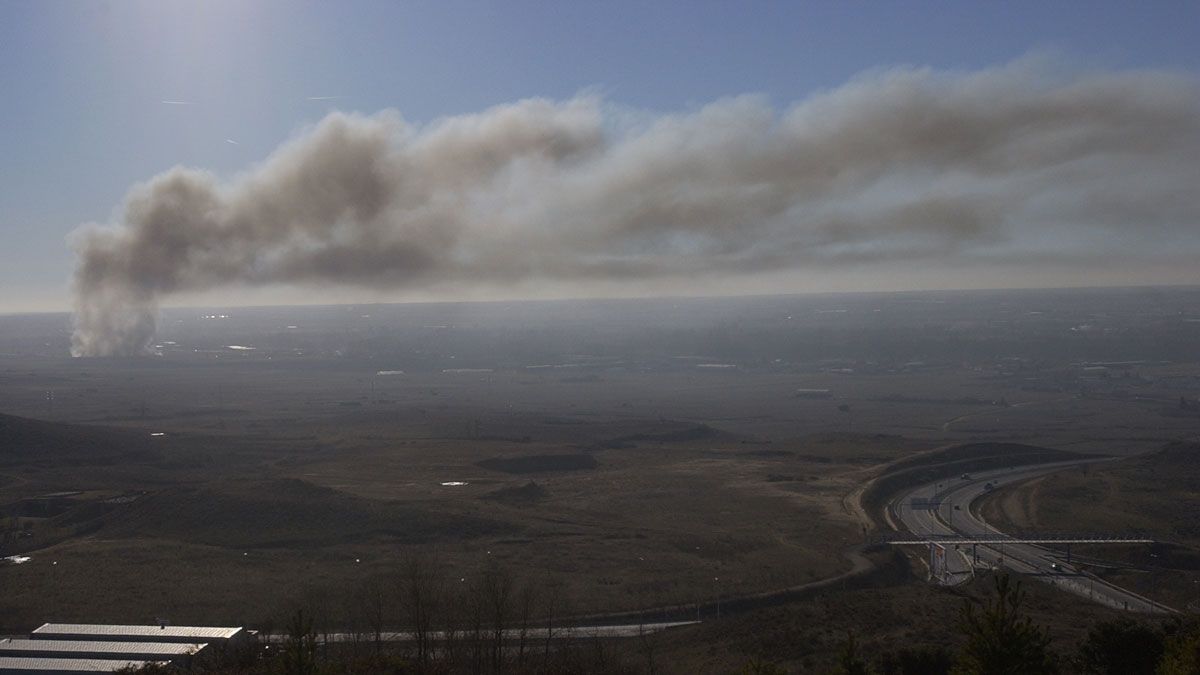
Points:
[[149, 633], [165, 649], [36, 665]]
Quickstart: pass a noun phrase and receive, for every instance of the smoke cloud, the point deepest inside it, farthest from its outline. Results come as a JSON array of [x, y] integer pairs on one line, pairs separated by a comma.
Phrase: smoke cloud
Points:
[[1015, 162]]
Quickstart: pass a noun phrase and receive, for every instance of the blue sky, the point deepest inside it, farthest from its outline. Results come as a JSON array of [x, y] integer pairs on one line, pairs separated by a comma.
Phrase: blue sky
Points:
[[85, 82]]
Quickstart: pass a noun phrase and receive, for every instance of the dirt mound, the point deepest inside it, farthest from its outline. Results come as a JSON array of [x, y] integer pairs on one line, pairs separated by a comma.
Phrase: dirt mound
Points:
[[284, 513], [1177, 453], [526, 495], [24, 440], [701, 432], [539, 463]]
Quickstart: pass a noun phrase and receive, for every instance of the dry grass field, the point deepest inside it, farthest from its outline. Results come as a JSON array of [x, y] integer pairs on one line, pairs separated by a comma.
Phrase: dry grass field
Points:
[[1156, 495], [644, 523]]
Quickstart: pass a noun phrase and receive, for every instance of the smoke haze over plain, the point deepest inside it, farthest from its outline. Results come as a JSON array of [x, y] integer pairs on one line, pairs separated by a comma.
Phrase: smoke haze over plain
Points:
[[1018, 163]]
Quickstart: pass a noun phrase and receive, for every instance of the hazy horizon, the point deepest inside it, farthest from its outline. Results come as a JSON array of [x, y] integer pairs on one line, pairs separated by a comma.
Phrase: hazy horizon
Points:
[[782, 150], [214, 303]]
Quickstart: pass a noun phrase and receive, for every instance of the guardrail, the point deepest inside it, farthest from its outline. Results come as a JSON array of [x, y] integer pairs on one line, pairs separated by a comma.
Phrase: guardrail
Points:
[[905, 539]]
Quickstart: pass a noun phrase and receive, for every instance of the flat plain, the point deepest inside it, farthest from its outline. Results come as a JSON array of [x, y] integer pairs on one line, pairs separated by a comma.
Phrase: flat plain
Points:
[[634, 453]]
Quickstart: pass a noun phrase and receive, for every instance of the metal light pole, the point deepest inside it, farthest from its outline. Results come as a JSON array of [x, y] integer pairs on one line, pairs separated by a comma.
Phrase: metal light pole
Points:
[[717, 590], [1156, 579]]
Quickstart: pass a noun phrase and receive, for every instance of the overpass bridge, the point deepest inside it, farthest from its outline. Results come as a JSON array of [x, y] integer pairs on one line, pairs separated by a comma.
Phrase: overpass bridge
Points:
[[999, 539], [936, 543]]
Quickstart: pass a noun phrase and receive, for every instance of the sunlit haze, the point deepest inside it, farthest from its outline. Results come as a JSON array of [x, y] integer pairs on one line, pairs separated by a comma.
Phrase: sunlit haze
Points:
[[805, 115]]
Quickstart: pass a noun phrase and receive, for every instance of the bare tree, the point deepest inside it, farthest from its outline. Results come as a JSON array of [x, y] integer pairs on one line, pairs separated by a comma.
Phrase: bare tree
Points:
[[422, 586], [527, 599], [497, 588], [474, 609], [552, 604], [300, 649], [352, 623], [648, 638], [453, 620], [371, 605], [319, 607]]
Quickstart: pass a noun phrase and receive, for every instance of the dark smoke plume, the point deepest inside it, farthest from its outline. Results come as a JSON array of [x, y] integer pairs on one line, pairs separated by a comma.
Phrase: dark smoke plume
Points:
[[902, 164]]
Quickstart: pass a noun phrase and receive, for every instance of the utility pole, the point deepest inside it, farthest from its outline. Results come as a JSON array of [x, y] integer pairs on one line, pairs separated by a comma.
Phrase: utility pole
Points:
[[717, 586]]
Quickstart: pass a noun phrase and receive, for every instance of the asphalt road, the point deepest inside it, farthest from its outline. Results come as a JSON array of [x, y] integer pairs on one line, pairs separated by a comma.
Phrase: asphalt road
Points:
[[531, 634], [955, 517]]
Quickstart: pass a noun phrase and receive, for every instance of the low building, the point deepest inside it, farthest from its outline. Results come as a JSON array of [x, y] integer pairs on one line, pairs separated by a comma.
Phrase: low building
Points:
[[20, 665], [100, 648], [159, 633], [176, 652]]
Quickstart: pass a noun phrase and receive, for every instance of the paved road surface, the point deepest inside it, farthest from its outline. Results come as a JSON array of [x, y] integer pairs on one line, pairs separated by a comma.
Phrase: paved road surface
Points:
[[954, 517], [531, 634]]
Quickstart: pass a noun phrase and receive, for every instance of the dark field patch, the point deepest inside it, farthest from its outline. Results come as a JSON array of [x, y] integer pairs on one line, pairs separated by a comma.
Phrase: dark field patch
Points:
[[285, 513], [539, 463], [26, 440], [701, 432]]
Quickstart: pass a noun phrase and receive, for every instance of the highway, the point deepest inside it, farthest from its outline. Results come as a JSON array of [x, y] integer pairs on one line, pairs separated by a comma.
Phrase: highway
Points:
[[948, 512]]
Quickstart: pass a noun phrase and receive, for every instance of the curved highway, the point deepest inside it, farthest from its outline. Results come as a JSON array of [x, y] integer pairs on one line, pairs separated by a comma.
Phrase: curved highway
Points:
[[944, 509]]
